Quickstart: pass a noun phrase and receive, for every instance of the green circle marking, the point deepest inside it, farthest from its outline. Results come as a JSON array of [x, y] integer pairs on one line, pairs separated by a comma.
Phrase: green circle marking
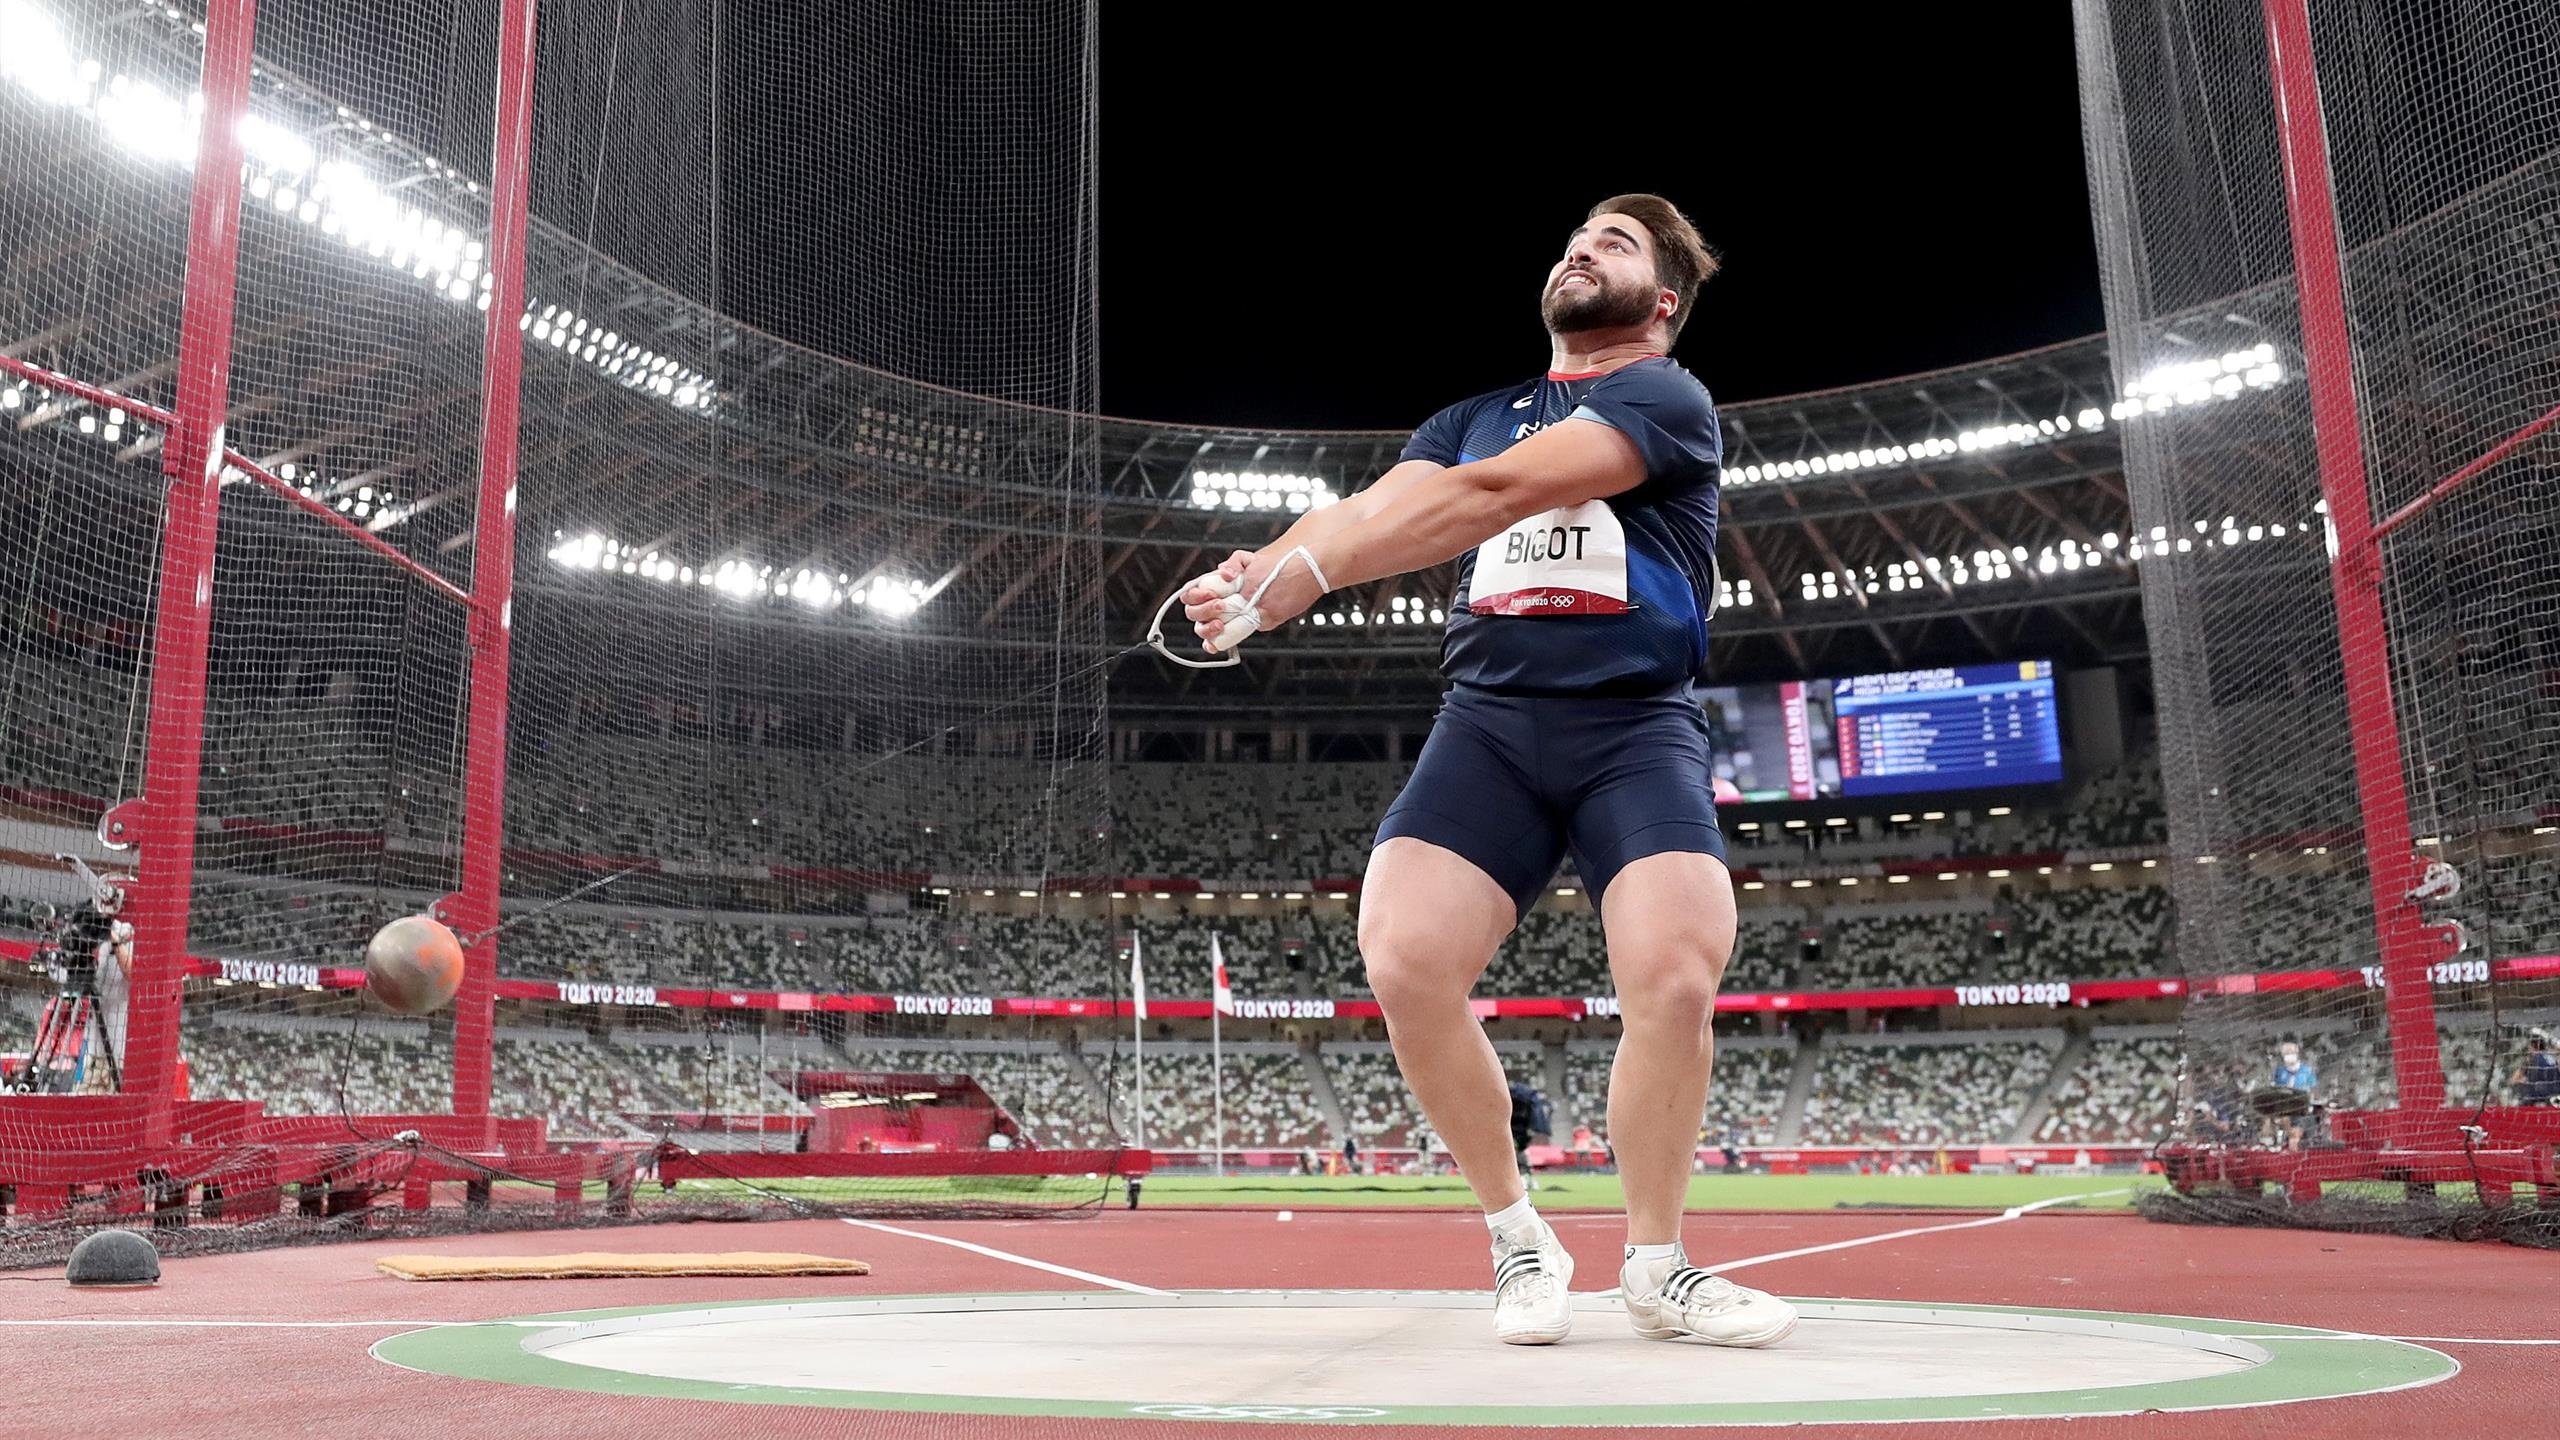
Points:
[[2298, 1363]]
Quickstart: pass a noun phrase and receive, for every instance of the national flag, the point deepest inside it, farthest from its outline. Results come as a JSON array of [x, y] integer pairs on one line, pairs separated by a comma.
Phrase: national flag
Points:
[[1224, 998]]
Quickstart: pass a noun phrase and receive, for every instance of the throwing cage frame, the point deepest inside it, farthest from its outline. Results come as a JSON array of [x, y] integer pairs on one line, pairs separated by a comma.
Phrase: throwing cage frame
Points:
[[2421, 1142], [146, 1147]]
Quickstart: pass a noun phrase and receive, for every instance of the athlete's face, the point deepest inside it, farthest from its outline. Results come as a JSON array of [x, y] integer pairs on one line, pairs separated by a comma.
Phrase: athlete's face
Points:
[[1606, 280]]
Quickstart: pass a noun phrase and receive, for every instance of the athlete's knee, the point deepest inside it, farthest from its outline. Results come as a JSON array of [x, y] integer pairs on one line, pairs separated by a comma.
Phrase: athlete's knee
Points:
[[1675, 988], [1410, 963]]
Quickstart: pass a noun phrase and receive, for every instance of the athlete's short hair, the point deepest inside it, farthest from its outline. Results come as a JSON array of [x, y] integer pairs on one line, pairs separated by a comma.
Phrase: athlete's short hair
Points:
[[1681, 260]]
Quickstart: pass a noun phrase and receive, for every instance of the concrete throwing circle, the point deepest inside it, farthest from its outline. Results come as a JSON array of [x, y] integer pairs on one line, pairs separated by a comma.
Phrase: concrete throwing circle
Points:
[[1410, 1357]]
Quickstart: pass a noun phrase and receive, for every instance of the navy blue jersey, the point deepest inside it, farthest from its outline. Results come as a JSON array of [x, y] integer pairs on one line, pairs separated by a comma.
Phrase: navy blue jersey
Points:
[[1610, 597], [2541, 1079]]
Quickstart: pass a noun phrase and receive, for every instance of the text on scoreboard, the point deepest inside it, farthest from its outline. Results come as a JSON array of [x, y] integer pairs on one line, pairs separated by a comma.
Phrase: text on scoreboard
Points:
[[1952, 728]]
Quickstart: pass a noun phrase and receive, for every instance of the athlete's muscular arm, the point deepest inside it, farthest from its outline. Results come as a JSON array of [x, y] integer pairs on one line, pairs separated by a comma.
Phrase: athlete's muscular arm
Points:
[[1438, 515]]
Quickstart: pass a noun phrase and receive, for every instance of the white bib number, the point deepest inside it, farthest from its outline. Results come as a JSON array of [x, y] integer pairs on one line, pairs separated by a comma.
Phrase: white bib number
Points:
[[1568, 561]]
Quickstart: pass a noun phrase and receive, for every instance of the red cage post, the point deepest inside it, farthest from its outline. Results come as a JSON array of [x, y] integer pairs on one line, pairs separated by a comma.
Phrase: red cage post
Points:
[[165, 826], [475, 908], [2355, 576]]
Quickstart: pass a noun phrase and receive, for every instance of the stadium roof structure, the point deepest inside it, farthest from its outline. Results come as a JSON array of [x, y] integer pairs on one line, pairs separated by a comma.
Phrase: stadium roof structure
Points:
[[1971, 513]]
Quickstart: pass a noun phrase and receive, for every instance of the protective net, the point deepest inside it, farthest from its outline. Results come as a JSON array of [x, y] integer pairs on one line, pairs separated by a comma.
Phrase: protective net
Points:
[[798, 651], [2330, 239]]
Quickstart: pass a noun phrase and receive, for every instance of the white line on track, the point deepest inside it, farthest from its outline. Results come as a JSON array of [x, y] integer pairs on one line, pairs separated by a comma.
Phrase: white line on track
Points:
[[2407, 1339], [1008, 1256], [286, 1324], [2004, 1217]]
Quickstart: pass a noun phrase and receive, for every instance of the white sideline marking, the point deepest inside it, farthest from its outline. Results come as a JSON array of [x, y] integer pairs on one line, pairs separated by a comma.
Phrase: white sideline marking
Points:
[[2005, 1216], [2406, 1339], [1007, 1255], [291, 1324]]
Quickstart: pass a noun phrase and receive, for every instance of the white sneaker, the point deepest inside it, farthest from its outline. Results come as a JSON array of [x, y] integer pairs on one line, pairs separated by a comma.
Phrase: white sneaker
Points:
[[1532, 1289], [1679, 1299]]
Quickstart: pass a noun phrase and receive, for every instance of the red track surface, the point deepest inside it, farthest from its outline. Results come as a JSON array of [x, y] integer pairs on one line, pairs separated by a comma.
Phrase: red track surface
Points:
[[125, 1381]]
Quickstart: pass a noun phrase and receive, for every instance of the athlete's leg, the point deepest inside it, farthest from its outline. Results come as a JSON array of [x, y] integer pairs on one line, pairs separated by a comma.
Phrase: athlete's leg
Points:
[[1645, 838], [1429, 923], [1460, 857], [1669, 922]]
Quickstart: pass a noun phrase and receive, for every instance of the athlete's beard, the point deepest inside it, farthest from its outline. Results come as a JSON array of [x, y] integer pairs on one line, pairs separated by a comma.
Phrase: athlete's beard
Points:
[[1569, 310]]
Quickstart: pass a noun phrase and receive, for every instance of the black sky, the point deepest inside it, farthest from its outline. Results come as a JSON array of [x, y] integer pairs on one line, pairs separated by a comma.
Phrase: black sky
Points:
[[1335, 215]]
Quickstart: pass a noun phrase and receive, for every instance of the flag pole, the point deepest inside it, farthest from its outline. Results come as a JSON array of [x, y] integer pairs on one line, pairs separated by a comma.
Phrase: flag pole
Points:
[[1138, 1029], [1217, 1072]]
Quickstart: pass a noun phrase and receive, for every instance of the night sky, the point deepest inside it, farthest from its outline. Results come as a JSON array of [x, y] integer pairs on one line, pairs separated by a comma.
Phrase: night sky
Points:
[[1339, 216]]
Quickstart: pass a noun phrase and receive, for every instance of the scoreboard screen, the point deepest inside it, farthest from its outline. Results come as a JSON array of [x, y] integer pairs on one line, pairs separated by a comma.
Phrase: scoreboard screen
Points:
[[1961, 727], [1964, 727]]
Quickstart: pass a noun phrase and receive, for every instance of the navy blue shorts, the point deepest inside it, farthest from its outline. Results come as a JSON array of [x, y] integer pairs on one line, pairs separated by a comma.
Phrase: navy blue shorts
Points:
[[1512, 782]]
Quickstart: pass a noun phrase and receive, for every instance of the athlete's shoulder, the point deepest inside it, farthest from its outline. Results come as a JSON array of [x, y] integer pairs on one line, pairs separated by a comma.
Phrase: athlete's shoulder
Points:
[[1664, 409], [1519, 396], [1659, 377], [1442, 439]]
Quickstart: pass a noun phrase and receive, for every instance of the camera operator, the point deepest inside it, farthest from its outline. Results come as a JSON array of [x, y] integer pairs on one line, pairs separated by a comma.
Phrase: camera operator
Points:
[[94, 961], [2537, 1080]]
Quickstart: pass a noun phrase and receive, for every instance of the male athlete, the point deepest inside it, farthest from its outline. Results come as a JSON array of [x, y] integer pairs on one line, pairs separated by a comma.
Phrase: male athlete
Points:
[[1582, 509]]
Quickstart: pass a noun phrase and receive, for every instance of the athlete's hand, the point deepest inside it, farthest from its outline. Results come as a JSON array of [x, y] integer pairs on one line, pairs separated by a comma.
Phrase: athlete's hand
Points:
[[1215, 598], [1200, 597], [1293, 594]]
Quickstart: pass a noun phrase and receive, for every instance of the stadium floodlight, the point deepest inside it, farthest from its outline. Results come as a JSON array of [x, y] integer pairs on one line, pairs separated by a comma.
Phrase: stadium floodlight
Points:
[[1259, 490], [814, 590], [39, 58], [147, 120]]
